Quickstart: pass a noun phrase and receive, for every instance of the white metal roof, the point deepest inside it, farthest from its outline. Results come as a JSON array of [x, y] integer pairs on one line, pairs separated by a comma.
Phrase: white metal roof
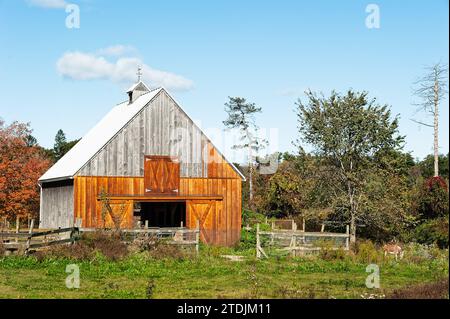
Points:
[[96, 138], [99, 136]]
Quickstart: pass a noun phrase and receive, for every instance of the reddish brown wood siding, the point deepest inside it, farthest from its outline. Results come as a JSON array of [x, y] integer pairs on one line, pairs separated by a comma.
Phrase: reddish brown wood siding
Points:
[[222, 225], [218, 166]]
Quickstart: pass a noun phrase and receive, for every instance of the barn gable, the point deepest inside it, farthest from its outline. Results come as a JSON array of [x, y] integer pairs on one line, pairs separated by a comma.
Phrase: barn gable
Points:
[[160, 128], [153, 124]]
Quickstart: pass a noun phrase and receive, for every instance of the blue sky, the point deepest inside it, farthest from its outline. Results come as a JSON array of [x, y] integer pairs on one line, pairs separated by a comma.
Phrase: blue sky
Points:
[[204, 51]]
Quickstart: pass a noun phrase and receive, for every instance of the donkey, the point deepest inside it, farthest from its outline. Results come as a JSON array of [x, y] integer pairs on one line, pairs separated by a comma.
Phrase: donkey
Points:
[[393, 249]]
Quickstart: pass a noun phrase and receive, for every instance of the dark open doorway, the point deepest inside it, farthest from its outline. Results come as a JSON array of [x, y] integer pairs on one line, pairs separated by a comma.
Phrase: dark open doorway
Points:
[[163, 214]]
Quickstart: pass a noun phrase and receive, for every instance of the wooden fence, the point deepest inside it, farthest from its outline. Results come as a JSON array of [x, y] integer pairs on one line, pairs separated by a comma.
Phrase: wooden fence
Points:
[[176, 235], [298, 242], [24, 241]]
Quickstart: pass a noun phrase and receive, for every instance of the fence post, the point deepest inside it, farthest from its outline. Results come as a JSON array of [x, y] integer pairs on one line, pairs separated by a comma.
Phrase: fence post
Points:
[[17, 227], [258, 252], [293, 244], [197, 235], [146, 224], [302, 238], [322, 229], [74, 231], [347, 232], [30, 232], [181, 224]]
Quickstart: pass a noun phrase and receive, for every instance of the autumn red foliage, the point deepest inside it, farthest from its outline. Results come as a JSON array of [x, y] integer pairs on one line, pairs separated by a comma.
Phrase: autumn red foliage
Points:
[[21, 165], [436, 181]]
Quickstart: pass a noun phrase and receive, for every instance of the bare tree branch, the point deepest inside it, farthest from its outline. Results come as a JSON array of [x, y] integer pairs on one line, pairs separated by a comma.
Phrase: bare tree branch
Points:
[[421, 123]]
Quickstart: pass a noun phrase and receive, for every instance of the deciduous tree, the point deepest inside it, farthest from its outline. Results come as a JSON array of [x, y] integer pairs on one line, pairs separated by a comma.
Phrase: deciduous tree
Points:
[[21, 165], [349, 132]]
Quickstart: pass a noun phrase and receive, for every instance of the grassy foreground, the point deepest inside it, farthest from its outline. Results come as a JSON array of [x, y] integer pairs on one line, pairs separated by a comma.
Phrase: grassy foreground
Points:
[[211, 276]]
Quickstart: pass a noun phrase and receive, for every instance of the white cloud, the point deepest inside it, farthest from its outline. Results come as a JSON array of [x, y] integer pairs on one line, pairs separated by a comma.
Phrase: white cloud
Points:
[[87, 66], [82, 66], [116, 50], [48, 4]]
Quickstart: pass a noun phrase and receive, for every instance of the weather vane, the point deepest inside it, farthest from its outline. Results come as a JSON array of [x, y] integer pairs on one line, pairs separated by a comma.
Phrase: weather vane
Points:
[[139, 73]]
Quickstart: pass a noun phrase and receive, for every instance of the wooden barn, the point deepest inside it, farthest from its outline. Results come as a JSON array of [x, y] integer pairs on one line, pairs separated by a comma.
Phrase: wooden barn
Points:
[[152, 164]]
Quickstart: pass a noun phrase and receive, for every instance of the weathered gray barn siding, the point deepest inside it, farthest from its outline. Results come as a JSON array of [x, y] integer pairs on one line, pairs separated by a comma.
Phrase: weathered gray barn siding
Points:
[[161, 128], [56, 207]]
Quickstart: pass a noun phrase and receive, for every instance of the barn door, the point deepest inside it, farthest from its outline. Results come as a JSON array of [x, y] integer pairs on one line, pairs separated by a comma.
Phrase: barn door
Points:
[[115, 213], [207, 213], [161, 175]]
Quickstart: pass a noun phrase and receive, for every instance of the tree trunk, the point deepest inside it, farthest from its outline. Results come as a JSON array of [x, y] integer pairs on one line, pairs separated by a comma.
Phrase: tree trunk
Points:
[[352, 214], [250, 185], [352, 229], [250, 178], [436, 128]]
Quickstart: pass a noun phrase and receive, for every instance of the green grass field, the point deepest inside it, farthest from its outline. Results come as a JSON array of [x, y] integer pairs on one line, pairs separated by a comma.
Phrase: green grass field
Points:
[[211, 276]]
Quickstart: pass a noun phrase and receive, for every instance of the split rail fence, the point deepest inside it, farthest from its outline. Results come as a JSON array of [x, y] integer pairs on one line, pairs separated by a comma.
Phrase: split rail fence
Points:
[[299, 242], [24, 241]]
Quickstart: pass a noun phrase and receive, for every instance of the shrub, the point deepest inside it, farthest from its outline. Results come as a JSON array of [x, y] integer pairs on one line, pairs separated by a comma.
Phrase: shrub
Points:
[[366, 252], [165, 251], [433, 232], [433, 198], [435, 290], [77, 251], [157, 248], [144, 242], [108, 244], [332, 254], [417, 253], [248, 239], [328, 252]]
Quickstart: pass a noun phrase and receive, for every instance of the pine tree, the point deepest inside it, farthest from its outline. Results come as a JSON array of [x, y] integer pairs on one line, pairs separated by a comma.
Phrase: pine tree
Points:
[[60, 145], [241, 116]]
